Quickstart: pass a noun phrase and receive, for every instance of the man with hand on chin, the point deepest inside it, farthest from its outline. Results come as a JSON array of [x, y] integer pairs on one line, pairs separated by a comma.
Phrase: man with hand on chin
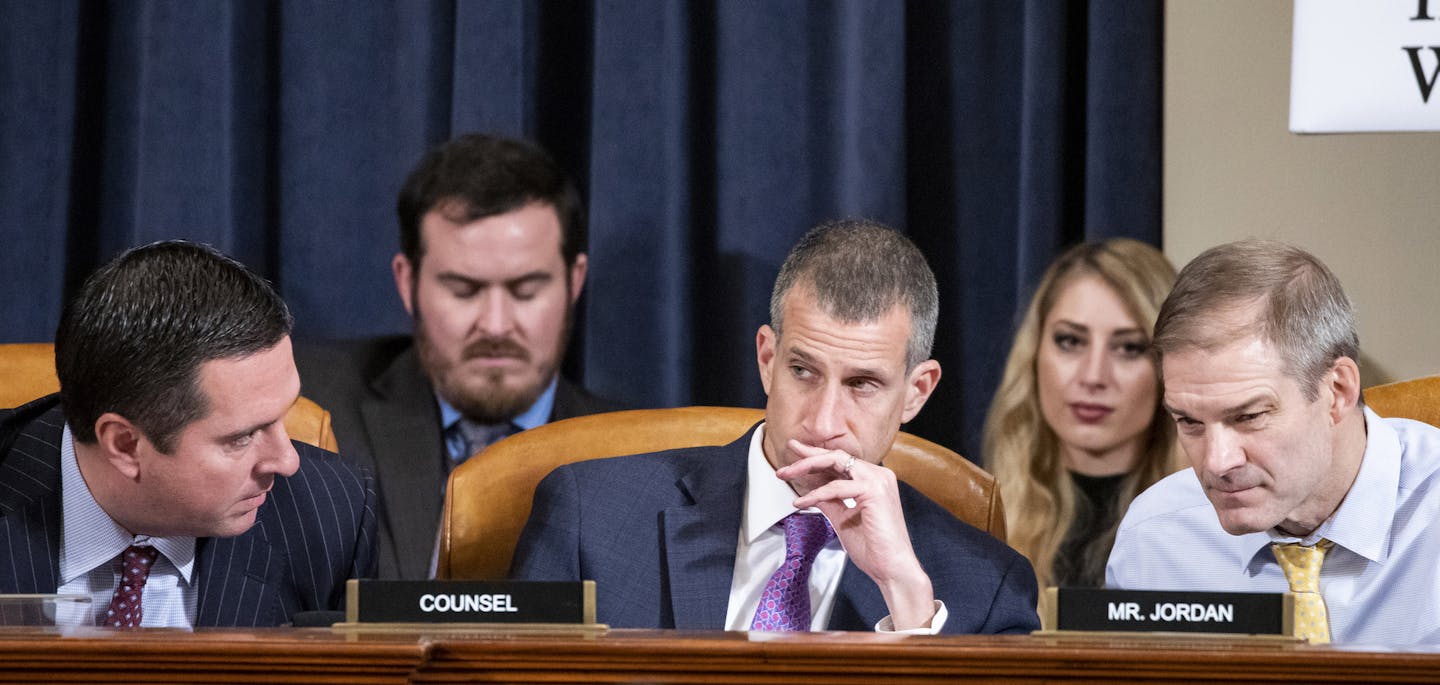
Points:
[[730, 537]]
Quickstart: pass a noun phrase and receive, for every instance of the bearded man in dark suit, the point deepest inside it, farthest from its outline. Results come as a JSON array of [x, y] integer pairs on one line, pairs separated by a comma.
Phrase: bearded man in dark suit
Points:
[[492, 262]]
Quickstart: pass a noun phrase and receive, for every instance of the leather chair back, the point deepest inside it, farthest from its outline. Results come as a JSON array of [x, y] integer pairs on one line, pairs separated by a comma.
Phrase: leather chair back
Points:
[[1417, 399], [27, 372], [488, 497]]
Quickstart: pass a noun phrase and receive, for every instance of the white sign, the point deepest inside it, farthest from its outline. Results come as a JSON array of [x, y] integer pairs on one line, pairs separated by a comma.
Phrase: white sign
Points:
[[1365, 65]]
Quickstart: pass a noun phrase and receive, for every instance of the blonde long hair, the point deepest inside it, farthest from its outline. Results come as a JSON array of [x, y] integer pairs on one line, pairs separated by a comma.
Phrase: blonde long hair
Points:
[[1021, 449]]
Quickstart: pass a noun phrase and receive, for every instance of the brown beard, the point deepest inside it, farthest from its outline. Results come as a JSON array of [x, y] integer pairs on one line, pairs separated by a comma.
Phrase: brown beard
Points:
[[489, 401], [486, 399]]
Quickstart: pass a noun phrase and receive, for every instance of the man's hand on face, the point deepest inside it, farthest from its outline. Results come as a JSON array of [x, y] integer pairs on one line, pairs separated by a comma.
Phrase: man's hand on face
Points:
[[873, 531]]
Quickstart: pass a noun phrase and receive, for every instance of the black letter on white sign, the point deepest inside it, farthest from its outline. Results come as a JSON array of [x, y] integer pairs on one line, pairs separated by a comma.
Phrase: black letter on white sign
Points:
[[1426, 85]]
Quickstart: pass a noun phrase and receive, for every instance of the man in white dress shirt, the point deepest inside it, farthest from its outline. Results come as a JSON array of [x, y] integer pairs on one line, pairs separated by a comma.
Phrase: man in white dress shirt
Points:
[[699, 538], [1258, 346]]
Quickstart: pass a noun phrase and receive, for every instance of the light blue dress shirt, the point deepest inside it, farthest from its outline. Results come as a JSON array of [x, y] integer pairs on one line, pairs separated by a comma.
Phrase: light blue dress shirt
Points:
[[1381, 582], [90, 547], [537, 415]]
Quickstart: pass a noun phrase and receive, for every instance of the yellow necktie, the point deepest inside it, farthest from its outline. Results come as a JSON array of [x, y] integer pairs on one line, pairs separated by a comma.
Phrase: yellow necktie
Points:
[[1302, 568]]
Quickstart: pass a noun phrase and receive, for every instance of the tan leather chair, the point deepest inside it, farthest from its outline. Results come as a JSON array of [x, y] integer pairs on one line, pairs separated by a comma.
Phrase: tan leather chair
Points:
[[1417, 399], [27, 372], [488, 498]]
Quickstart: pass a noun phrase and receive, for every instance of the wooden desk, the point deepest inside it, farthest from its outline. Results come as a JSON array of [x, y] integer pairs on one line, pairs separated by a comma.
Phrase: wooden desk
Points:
[[321, 656], [309, 655]]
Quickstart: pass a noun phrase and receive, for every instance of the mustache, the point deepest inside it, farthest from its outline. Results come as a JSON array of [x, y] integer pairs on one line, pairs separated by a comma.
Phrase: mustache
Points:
[[496, 347]]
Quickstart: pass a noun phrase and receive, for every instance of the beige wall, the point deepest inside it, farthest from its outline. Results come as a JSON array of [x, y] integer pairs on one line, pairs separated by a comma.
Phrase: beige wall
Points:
[[1367, 204]]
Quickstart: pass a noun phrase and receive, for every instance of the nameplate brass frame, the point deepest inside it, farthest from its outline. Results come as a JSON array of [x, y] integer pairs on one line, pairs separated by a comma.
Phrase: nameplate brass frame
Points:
[[1147, 611], [470, 604]]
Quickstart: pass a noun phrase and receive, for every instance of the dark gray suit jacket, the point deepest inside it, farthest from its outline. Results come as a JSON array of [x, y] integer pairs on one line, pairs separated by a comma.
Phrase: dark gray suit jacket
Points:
[[657, 533], [385, 417], [314, 531]]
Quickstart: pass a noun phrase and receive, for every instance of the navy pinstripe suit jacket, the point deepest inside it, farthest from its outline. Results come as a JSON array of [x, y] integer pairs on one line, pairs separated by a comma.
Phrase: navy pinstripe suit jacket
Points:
[[314, 531]]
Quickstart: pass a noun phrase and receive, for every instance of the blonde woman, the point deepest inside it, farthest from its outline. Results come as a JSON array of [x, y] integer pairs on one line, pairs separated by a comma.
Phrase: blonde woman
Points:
[[1076, 429]]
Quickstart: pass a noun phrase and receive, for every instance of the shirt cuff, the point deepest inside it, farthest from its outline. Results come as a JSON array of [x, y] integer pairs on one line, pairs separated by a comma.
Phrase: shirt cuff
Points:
[[936, 623]]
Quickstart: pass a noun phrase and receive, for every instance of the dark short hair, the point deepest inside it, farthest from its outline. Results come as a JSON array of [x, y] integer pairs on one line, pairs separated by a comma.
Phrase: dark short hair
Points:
[[858, 270], [476, 176], [1304, 312], [132, 341]]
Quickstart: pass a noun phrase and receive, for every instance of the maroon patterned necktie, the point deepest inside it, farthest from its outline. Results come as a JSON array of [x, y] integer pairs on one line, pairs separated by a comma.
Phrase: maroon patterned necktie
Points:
[[125, 610], [785, 601]]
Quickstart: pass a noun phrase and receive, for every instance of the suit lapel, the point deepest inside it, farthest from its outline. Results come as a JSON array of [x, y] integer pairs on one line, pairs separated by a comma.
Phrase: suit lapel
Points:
[[567, 401], [30, 499], [32, 537], [700, 536], [407, 456], [239, 579], [858, 602]]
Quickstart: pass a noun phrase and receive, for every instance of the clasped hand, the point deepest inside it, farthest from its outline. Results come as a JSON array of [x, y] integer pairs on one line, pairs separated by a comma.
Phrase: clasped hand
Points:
[[873, 531]]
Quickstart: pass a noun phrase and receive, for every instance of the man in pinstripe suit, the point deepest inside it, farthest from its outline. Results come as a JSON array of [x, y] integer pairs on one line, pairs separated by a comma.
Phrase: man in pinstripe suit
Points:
[[168, 437]]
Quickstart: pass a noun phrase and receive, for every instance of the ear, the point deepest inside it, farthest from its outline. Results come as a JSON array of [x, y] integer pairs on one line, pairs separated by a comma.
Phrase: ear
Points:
[[1344, 385], [765, 342], [119, 443], [404, 273], [577, 276], [921, 383]]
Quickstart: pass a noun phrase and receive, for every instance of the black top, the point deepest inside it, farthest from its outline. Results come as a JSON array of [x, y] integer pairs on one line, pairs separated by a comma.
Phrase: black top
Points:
[[1080, 562]]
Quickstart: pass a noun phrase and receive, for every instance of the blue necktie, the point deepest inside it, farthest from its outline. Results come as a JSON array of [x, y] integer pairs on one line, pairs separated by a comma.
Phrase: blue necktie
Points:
[[477, 436]]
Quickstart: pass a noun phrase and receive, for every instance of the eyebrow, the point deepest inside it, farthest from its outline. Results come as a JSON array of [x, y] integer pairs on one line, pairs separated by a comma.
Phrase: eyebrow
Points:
[[1248, 406], [246, 431], [235, 435], [452, 276], [1083, 327], [849, 373], [1245, 407], [799, 353]]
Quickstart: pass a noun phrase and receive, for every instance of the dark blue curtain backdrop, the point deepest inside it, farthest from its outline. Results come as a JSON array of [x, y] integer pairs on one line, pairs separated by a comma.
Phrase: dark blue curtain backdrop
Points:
[[706, 136]]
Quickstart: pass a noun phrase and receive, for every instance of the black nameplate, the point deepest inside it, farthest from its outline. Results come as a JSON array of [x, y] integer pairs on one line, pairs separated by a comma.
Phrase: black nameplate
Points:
[[1253, 613], [464, 601]]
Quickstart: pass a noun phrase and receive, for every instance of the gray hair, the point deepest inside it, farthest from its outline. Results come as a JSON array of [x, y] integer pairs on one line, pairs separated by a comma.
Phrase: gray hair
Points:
[[1304, 312], [858, 271]]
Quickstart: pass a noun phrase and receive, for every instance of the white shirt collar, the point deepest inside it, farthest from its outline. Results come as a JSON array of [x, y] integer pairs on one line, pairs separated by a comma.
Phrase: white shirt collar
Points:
[[768, 500], [89, 538], [1361, 524]]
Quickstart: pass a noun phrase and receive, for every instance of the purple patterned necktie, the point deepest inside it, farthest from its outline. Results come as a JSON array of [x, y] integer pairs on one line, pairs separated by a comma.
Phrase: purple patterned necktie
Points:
[[785, 601], [125, 611]]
